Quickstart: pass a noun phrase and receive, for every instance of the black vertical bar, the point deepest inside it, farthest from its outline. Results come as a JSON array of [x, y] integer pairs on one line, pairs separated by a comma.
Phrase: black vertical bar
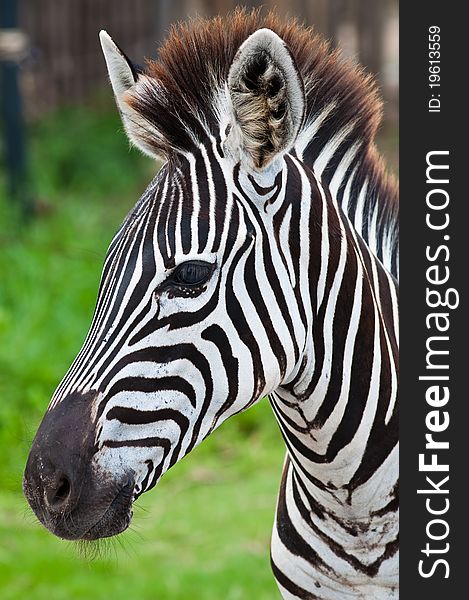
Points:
[[12, 115], [434, 275]]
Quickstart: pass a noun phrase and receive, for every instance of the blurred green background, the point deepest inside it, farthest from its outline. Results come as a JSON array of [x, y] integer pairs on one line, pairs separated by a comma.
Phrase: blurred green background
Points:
[[203, 532]]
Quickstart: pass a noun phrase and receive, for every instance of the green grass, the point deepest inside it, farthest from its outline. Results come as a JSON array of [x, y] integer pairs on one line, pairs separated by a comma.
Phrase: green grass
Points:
[[203, 532]]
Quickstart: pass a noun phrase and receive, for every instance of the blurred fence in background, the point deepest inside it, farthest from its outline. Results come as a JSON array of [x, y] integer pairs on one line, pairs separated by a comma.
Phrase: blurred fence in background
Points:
[[64, 63]]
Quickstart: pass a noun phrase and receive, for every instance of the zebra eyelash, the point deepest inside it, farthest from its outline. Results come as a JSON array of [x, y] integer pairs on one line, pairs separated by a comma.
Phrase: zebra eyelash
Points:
[[175, 286]]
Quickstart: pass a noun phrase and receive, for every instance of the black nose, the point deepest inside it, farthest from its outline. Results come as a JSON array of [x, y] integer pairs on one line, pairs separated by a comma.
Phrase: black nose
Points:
[[59, 462], [68, 492]]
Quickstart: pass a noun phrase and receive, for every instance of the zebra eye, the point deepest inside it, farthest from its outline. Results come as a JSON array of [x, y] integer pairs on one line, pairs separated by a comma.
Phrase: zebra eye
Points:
[[192, 273]]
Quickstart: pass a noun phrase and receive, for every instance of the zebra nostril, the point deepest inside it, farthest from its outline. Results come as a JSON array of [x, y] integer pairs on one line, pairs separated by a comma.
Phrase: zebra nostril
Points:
[[60, 494]]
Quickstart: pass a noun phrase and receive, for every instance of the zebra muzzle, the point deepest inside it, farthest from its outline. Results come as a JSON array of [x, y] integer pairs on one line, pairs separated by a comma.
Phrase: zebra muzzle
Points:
[[70, 495]]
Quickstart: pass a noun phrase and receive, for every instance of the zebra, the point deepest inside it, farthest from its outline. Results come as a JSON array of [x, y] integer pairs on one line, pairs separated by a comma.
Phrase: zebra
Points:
[[262, 260]]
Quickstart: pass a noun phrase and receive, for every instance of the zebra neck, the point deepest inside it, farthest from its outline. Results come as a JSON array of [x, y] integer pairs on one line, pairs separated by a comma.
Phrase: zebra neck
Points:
[[350, 167], [338, 411], [335, 470]]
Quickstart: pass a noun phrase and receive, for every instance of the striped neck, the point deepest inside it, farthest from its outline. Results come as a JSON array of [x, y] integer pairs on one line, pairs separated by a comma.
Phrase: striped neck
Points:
[[349, 166], [337, 411]]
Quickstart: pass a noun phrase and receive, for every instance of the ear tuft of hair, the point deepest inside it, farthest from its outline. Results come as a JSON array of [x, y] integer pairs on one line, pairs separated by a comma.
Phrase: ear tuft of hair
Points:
[[267, 97]]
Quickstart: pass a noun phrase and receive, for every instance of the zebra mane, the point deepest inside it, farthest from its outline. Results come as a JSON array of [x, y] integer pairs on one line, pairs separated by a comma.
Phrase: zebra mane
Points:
[[181, 96]]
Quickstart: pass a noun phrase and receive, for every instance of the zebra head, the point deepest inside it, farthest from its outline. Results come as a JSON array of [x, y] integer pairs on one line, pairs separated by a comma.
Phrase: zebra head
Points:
[[198, 313]]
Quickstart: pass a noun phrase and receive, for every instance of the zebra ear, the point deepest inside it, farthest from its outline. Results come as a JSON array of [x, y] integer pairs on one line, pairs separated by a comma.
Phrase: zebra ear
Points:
[[124, 76], [267, 99]]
